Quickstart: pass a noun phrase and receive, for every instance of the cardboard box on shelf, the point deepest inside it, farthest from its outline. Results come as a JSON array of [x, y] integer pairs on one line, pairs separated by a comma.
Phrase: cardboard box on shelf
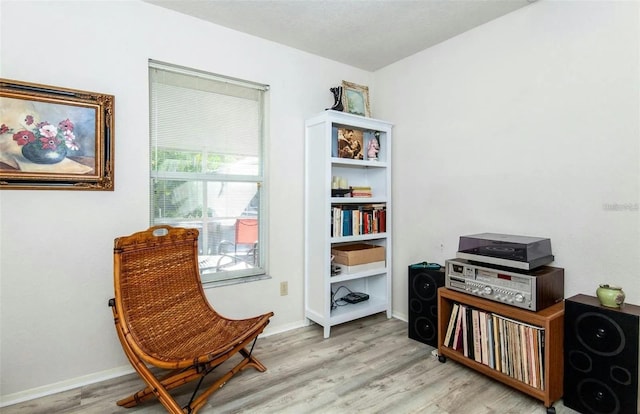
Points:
[[358, 253]]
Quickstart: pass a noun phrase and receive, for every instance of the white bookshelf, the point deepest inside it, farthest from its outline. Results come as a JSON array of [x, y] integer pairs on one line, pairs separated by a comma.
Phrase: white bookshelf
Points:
[[321, 165]]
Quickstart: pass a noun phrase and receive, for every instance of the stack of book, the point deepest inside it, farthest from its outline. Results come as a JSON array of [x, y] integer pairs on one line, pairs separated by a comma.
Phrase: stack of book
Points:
[[361, 192], [512, 347], [355, 220]]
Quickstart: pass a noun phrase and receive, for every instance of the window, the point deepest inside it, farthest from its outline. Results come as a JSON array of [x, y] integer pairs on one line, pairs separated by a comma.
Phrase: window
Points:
[[206, 166]]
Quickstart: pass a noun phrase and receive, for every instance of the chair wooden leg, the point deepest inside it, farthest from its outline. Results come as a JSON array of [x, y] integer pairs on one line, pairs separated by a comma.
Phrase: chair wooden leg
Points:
[[247, 361], [169, 381], [177, 378], [155, 388], [253, 361]]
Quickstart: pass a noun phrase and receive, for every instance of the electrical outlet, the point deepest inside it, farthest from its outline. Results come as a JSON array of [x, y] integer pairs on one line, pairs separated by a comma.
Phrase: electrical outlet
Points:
[[284, 288]]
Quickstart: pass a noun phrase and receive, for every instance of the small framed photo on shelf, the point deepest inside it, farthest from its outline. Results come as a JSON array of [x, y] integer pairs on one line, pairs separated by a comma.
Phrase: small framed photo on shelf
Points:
[[350, 143], [355, 99]]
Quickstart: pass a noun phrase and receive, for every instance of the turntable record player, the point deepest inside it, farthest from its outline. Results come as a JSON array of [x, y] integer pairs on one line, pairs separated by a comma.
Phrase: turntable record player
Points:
[[519, 252]]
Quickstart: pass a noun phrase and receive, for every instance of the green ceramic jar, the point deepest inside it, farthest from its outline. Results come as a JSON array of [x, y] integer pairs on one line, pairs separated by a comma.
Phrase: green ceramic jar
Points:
[[611, 296]]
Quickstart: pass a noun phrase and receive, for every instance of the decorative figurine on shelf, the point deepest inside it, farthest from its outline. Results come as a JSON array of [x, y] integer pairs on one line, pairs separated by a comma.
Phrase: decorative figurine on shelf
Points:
[[337, 96], [373, 147]]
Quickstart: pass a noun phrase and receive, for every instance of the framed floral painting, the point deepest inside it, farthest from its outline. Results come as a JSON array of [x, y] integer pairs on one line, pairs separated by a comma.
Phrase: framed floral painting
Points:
[[55, 138]]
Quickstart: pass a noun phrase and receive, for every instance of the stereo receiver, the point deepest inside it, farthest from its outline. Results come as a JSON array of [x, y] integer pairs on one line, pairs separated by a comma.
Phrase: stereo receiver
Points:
[[532, 290]]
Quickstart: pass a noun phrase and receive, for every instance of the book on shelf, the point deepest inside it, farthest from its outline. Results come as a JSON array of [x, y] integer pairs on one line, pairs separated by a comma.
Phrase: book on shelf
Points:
[[347, 226], [517, 357], [452, 322], [357, 219], [484, 337], [363, 192], [470, 350], [541, 361], [465, 330], [531, 361], [491, 342], [524, 352], [477, 346], [506, 362], [511, 347], [497, 357], [374, 225], [527, 342], [336, 220], [355, 222], [457, 337]]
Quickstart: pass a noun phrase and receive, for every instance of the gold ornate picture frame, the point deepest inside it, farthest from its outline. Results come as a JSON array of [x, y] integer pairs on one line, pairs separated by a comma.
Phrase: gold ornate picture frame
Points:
[[355, 99], [55, 138]]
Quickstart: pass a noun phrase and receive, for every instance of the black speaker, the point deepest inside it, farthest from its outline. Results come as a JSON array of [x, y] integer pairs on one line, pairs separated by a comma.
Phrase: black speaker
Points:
[[600, 356], [423, 303]]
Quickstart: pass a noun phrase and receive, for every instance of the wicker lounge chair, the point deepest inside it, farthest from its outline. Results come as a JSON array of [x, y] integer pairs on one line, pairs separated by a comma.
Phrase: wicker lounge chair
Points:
[[165, 323]]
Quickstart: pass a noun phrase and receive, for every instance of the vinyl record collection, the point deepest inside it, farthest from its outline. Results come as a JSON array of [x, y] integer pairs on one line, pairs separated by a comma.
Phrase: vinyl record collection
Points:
[[512, 347]]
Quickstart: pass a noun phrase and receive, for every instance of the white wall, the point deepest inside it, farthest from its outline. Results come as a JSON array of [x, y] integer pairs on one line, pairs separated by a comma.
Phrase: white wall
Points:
[[56, 256], [527, 125]]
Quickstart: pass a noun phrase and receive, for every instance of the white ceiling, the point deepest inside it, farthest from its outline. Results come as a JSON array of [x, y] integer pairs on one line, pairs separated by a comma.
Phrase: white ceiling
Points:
[[368, 34]]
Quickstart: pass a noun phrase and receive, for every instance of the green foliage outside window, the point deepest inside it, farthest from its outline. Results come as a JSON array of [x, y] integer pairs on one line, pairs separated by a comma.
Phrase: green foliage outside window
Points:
[[166, 203]]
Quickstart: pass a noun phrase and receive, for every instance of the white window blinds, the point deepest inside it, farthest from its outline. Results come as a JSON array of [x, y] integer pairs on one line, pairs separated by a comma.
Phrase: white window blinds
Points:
[[206, 156]]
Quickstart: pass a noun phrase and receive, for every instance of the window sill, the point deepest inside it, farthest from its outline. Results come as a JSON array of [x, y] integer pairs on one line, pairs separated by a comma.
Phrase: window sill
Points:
[[237, 280]]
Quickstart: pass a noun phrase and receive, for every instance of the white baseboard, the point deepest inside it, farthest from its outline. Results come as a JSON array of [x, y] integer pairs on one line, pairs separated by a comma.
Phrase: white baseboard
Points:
[[56, 387], [400, 316], [66, 385], [50, 389], [284, 328]]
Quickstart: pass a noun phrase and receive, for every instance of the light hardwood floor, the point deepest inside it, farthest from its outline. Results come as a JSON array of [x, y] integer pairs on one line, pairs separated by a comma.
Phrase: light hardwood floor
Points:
[[366, 366]]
